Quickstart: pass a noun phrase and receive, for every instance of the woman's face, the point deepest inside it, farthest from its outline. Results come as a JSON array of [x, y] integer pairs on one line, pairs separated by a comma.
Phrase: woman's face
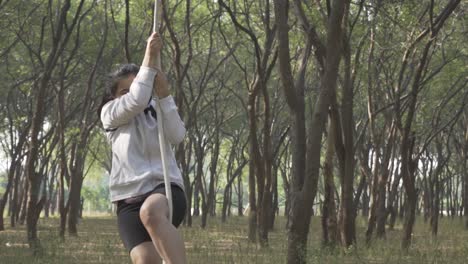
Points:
[[123, 86]]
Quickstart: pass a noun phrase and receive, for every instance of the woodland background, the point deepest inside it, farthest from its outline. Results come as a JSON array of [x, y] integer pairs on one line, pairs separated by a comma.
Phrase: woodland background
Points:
[[339, 109]]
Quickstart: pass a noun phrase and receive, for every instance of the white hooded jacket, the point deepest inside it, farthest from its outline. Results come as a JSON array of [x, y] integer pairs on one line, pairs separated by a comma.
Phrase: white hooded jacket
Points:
[[136, 156]]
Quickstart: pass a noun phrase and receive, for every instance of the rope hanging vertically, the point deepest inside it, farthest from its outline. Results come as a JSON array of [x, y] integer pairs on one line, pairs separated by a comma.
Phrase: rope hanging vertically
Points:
[[162, 140]]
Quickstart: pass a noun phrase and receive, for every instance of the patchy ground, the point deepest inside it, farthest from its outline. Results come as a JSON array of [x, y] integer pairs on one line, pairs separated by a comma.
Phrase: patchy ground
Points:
[[98, 242]]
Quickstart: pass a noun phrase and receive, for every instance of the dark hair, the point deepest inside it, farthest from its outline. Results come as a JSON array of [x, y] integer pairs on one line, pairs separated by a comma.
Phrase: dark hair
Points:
[[122, 72]]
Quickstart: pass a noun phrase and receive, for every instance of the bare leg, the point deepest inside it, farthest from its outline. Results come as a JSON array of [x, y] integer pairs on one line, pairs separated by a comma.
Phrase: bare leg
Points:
[[145, 253], [154, 214]]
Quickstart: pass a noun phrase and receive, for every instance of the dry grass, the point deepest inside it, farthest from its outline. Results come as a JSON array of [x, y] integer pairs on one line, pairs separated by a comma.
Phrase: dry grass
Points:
[[98, 242]]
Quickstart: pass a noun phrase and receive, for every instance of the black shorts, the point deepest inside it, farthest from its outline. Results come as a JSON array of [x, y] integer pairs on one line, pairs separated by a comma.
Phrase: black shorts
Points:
[[131, 229]]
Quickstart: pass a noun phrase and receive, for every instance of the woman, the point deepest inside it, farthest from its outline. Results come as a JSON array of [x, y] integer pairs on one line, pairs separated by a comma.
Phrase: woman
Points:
[[137, 181]]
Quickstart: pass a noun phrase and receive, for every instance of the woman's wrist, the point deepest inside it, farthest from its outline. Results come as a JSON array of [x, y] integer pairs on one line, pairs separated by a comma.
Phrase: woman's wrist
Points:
[[150, 60], [161, 87]]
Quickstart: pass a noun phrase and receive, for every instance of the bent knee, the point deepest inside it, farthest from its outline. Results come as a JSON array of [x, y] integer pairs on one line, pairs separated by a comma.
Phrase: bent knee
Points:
[[154, 211], [142, 258], [145, 255], [150, 217]]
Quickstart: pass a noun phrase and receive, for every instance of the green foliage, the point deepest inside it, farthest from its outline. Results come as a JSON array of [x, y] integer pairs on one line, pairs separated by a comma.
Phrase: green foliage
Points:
[[95, 190], [96, 198]]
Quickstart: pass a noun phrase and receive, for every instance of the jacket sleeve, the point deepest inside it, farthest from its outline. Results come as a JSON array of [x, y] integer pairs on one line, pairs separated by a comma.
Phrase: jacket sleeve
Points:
[[121, 110], [174, 128]]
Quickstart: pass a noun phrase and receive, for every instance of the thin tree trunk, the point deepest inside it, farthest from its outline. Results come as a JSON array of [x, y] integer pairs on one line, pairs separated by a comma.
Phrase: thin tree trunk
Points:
[[4, 199], [329, 219], [465, 175], [434, 219], [127, 25], [63, 211], [409, 165], [34, 178], [394, 198], [274, 202], [347, 215], [74, 199], [16, 203], [198, 179], [383, 181], [23, 200], [240, 204], [227, 189], [79, 150], [45, 197], [304, 185], [373, 193], [266, 199], [365, 202], [252, 229], [211, 197]]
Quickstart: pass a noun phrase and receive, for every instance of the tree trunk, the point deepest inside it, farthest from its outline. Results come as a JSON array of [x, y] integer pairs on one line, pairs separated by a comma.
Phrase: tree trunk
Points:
[[50, 191], [393, 198], [184, 159], [24, 201], [74, 201], [267, 197], [465, 175], [40, 87], [402, 205], [127, 25], [256, 171], [305, 178], [347, 215], [211, 199], [189, 206], [226, 201], [329, 220], [227, 193], [383, 182], [240, 206], [4, 199], [12, 181], [435, 206], [274, 202], [252, 229], [180, 74], [260, 166], [33, 210], [411, 197], [359, 194], [200, 152], [229, 203], [365, 202], [393, 212], [427, 181], [63, 210], [44, 195], [442, 204], [435, 187], [408, 175], [16, 202], [373, 193], [409, 165]]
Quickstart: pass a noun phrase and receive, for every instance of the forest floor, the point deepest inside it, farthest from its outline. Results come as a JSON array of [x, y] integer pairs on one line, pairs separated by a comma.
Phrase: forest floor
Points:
[[98, 242]]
